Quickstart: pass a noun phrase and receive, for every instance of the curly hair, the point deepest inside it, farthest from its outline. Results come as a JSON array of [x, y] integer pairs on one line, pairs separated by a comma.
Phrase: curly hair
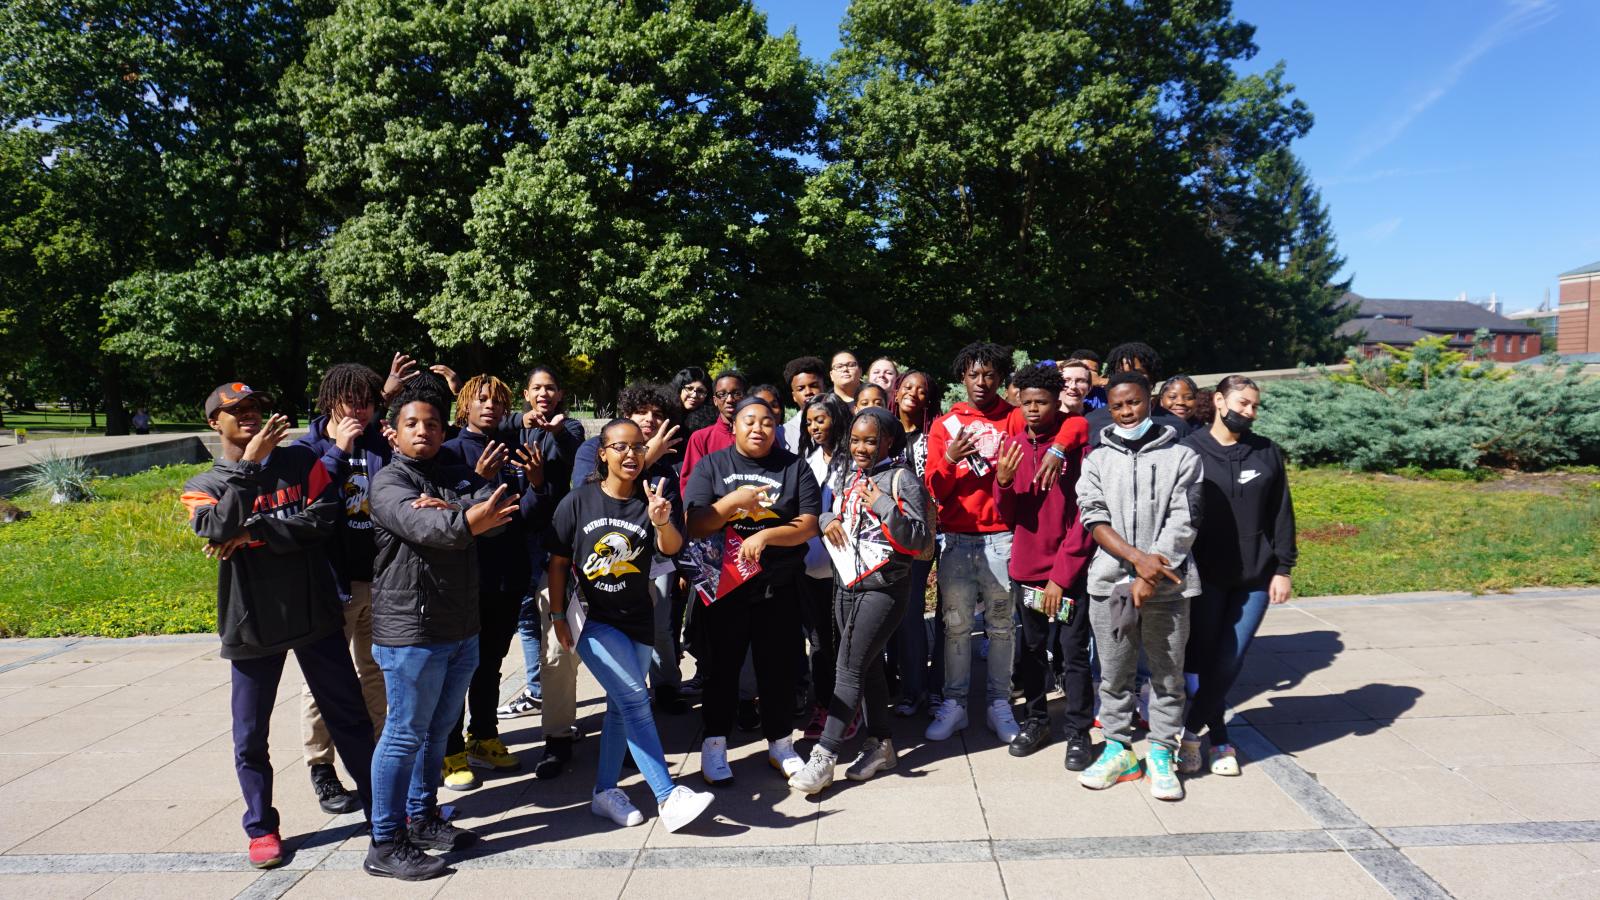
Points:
[[1134, 378], [1123, 356], [420, 393], [347, 383], [1043, 376], [643, 395], [981, 353], [469, 392], [805, 365]]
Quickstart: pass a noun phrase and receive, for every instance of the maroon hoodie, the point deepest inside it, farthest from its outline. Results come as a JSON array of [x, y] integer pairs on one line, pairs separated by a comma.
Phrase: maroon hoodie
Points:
[[1048, 541]]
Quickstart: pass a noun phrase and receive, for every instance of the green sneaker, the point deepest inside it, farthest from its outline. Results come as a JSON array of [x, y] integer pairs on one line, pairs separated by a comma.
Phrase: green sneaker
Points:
[[1164, 783], [1115, 765]]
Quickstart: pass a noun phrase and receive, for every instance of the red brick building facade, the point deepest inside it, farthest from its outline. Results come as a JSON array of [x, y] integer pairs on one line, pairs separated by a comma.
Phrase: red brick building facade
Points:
[[1401, 323], [1578, 325]]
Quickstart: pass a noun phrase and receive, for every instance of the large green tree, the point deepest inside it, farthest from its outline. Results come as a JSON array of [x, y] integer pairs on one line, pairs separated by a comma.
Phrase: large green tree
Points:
[[158, 123], [541, 179], [1057, 174]]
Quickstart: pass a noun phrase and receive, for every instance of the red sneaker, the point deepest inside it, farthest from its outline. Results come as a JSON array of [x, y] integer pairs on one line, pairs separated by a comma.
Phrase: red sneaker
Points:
[[266, 851]]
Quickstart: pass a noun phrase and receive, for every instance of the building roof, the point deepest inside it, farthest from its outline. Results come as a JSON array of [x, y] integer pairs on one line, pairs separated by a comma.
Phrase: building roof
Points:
[[1451, 316], [1383, 331], [1591, 269]]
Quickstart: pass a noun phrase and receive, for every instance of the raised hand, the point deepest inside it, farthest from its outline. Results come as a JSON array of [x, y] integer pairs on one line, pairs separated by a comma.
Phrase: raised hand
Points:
[[448, 374], [346, 431], [530, 462], [658, 506], [868, 489], [390, 435], [491, 513], [962, 446], [401, 370], [272, 433], [493, 458], [752, 498], [1005, 467], [665, 441]]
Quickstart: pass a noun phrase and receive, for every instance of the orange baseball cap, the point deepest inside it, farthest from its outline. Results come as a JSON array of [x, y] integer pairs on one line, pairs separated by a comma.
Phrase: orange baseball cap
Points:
[[227, 396]]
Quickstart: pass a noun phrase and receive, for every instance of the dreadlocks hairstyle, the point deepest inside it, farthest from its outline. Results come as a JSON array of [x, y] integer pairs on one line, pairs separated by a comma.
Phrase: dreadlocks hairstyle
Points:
[[643, 395], [930, 410], [1123, 356], [985, 354], [805, 365], [469, 392], [1134, 378], [414, 392], [434, 385], [1043, 376], [836, 441], [346, 383]]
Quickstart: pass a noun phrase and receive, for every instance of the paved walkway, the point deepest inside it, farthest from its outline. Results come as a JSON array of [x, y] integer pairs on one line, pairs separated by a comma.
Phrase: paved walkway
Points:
[[1414, 746]]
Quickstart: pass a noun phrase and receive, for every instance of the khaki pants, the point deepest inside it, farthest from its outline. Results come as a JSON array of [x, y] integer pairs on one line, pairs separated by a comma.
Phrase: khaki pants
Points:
[[558, 674], [358, 631]]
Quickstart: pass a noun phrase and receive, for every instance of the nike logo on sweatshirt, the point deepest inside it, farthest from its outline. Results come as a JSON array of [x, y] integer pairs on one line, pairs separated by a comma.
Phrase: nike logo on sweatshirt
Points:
[[1247, 476]]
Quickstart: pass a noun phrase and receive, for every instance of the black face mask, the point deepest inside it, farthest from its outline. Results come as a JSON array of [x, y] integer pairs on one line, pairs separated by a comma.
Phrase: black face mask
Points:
[[1236, 423]]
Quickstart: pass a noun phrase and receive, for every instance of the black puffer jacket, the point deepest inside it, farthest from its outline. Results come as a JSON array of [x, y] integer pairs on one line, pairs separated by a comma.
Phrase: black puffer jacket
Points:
[[425, 576]]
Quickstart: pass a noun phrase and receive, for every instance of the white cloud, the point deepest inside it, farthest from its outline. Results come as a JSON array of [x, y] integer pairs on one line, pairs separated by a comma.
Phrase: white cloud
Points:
[[1522, 17], [1380, 230]]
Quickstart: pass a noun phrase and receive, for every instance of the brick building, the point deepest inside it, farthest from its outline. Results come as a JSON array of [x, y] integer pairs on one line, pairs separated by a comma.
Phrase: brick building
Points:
[[1401, 323], [1578, 328]]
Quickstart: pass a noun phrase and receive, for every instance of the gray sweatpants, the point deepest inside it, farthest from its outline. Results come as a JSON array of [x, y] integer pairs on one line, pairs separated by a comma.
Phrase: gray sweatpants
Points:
[[1163, 631]]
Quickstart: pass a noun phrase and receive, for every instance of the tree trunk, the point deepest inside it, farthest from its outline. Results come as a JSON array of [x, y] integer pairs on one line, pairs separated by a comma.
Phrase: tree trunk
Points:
[[111, 395]]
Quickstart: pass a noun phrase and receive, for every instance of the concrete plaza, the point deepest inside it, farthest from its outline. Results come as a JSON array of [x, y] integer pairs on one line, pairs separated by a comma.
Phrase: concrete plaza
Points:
[[1413, 746]]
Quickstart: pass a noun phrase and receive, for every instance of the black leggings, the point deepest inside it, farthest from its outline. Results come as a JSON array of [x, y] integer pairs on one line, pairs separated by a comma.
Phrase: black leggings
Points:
[[816, 616], [867, 621], [760, 618], [498, 612]]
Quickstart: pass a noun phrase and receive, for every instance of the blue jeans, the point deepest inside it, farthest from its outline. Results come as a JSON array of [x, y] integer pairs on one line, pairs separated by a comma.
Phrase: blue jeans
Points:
[[619, 663], [911, 638], [426, 685], [528, 628], [1222, 623], [972, 568]]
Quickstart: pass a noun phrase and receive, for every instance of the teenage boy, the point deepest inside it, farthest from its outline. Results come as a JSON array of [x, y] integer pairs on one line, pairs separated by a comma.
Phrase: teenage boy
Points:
[[1143, 359], [349, 430], [267, 513], [429, 514], [1077, 381], [846, 374], [963, 445], [1139, 498], [1049, 559], [1096, 397], [806, 377], [726, 392]]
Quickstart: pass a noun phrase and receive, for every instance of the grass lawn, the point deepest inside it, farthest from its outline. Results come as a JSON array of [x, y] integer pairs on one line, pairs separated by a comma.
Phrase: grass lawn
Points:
[[127, 564], [48, 422]]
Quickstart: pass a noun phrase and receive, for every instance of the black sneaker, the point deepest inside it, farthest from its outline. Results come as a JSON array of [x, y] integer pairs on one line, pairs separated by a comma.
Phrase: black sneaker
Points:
[[432, 832], [1078, 755], [331, 795], [401, 859], [1034, 735], [553, 759], [749, 716]]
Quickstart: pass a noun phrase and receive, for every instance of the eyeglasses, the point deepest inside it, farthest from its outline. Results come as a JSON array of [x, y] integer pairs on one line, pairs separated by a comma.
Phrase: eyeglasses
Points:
[[623, 447], [729, 395], [840, 367], [696, 391]]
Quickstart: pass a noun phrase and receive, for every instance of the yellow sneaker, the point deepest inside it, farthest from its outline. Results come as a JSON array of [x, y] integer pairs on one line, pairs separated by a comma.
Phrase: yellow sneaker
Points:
[[458, 775], [491, 753]]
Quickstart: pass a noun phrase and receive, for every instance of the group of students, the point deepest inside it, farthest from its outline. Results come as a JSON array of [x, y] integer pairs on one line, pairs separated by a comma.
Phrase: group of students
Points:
[[422, 523]]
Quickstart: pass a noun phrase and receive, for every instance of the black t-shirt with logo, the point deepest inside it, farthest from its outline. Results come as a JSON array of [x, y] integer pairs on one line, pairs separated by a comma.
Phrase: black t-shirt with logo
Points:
[[611, 544], [794, 488]]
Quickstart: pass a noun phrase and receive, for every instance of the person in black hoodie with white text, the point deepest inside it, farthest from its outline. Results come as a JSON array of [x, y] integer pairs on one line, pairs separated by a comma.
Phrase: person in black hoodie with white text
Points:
[[268, 513], [1245, 552]]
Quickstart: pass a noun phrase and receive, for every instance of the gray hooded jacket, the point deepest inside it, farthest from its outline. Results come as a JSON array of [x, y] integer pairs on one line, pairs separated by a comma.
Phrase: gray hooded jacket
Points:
[[1152, 499]]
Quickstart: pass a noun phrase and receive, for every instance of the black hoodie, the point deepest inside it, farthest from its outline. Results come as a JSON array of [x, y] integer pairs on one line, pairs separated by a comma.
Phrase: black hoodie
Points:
[[1247, 529]]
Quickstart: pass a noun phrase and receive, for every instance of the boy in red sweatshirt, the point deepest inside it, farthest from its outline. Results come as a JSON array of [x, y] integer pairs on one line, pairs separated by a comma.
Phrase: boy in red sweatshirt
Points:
[[963, 445], [1049, 561]]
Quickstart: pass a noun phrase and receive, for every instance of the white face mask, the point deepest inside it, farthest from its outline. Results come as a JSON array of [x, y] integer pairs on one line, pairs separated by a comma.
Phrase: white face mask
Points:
[[1135, 432]]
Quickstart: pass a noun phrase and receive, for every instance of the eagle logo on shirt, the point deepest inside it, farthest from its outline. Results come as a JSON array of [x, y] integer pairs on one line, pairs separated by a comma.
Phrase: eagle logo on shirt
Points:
[[757, 516], [613, 557]]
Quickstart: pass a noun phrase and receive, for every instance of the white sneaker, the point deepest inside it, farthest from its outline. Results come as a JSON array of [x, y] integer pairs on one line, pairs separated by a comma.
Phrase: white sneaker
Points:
[[714, 762], [781, 756], [1002, 722], [683, 806], [948, 719], [613, 804]]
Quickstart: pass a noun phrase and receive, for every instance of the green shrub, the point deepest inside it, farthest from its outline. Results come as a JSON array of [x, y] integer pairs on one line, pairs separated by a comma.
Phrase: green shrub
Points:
[[1533, 421], [64, 479]]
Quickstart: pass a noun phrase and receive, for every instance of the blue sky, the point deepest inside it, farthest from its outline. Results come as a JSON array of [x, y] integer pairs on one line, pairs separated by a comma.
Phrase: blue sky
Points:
[[1456, 141]]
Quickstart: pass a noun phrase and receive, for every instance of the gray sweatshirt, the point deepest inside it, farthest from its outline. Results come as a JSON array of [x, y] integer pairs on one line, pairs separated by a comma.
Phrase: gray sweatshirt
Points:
[[1151, 498]]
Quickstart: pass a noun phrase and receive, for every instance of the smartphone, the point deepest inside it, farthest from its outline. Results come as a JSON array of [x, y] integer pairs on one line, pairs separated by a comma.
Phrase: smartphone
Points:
[[1033, 598]]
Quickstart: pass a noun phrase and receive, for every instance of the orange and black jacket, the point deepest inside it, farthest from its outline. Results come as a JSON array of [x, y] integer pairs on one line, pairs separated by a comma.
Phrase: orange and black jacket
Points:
[[277, 592]]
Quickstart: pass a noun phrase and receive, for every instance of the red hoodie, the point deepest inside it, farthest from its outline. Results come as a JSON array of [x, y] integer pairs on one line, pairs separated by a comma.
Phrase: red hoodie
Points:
[[966, 498], [1048, 541]]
